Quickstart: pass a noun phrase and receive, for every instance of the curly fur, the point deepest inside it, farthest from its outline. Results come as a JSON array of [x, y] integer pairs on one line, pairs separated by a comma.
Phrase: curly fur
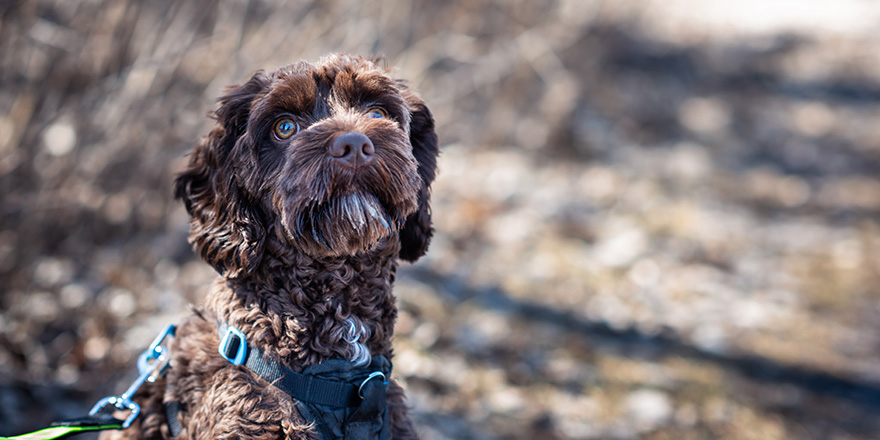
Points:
[[307, 250]]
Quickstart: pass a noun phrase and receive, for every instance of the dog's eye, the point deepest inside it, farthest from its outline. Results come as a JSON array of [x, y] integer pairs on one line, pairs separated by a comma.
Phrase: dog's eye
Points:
[[377, 113], [285, 128]]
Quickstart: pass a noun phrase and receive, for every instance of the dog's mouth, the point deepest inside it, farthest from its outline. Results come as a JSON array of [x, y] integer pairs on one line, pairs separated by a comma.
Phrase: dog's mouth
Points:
[[343, 225]]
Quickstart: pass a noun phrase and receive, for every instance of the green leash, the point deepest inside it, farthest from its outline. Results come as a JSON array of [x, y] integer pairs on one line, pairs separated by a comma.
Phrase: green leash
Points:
[[69, 428], [152, 364]]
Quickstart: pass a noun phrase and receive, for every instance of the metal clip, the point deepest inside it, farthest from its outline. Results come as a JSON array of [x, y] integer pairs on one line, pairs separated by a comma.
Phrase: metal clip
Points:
[[152, 364], [372, 375]]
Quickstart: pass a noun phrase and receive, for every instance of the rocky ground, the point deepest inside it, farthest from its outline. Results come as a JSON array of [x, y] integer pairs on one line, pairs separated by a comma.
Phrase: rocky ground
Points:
[[655, 219]]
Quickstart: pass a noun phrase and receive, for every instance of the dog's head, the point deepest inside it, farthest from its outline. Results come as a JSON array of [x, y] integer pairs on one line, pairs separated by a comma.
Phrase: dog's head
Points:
[[331, 158]]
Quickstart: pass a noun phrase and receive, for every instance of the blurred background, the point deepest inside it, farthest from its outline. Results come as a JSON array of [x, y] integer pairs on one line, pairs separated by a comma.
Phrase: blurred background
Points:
[[655, 219]]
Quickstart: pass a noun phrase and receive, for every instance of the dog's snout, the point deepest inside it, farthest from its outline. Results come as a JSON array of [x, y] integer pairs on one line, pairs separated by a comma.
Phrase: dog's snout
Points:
[[352, 149]]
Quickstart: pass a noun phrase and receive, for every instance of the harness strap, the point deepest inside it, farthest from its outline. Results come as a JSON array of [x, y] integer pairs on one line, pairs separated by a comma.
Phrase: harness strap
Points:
[[361, 422], [172, 409], [69, 428], [305, 388], [364, 400]]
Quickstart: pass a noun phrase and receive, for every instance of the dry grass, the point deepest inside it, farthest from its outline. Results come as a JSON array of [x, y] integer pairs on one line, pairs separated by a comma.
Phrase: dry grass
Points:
[[655, 219]]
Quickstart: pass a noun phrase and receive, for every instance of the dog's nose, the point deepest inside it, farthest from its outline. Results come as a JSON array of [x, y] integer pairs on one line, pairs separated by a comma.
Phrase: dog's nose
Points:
[[352, 149]]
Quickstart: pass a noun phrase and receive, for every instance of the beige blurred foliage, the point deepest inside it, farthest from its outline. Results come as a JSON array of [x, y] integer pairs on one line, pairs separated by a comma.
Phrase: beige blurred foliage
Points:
[[655, 219]]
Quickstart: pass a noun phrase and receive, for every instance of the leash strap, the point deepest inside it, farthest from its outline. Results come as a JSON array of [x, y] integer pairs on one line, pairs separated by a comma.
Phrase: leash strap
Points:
[[152, 365], [234, 348], [68, 428]]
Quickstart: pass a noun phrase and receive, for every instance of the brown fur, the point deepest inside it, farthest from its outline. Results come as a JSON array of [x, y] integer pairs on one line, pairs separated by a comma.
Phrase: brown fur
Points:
[[302, 244]]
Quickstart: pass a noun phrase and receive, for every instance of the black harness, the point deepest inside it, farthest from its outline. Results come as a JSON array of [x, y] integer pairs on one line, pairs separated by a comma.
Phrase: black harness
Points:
[[343, 401]]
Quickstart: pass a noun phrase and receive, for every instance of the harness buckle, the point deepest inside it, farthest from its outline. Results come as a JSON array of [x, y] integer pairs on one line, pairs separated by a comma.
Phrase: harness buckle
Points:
[[233, 346], [372, 375]]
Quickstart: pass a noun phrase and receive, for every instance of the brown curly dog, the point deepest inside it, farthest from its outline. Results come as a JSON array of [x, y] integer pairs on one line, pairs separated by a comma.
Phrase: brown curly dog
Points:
[[303, 197]]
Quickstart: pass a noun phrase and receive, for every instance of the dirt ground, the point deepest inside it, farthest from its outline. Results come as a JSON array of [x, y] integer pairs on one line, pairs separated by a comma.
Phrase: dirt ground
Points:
[[655, 219]]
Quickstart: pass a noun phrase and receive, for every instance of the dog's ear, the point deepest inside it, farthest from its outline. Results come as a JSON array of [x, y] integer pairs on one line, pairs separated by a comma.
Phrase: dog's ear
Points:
[[227, 229], [417, 231], [235, 105]]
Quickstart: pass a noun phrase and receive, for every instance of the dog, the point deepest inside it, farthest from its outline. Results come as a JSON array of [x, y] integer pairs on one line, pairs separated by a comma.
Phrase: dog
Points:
[[312, 185]]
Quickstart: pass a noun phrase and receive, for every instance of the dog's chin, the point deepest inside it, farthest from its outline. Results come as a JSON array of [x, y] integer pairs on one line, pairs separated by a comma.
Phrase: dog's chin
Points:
[[346, 225]]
